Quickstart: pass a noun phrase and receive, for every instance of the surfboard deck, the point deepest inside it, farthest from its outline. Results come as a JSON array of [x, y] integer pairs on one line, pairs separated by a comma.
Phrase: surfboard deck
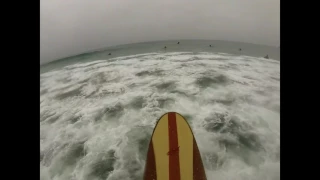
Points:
[[173, 152]]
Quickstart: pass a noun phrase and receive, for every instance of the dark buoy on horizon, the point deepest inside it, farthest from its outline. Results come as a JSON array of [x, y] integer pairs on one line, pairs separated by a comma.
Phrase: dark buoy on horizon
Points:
[[109, 54], [178, 43], [165, 47], [239, 49], [267, 57], [210, 45]]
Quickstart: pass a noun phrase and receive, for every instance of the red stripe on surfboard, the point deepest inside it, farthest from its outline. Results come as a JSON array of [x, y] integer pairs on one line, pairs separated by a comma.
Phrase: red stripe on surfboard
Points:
[[150, 171], [174, 166]]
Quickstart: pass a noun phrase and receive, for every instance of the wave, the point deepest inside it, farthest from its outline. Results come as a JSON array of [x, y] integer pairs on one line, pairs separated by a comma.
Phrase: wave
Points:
[[96, 118]]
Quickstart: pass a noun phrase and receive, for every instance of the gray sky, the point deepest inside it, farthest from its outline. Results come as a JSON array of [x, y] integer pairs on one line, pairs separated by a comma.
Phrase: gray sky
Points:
[[69, 27]]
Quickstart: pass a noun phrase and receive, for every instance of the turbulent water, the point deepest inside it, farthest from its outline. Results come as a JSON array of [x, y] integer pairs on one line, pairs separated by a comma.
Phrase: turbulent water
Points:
[[96, 118]]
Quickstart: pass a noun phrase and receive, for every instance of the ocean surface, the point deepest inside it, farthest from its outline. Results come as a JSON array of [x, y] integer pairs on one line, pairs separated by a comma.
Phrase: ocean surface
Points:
[[172, 46], [97, 111]]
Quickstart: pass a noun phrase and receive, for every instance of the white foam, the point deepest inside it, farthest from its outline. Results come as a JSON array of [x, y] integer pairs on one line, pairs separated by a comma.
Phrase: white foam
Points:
[[95, 102]]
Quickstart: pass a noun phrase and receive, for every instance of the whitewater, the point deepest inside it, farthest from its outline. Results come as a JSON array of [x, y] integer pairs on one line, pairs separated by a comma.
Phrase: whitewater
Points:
[[96, 118]]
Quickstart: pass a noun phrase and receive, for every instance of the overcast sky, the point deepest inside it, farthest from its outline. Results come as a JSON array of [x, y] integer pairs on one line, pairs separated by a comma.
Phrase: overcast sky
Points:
[[69, 27]]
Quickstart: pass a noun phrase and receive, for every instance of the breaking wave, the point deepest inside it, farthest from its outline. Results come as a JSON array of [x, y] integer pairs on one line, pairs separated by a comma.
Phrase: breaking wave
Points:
[[96, 118]]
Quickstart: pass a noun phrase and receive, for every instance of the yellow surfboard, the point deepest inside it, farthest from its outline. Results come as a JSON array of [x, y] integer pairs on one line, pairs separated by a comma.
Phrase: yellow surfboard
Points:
[[173, 153]]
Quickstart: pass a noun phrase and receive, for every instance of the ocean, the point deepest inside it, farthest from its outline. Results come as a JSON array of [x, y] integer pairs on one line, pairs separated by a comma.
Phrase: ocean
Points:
[[97, 111], [172, 46]]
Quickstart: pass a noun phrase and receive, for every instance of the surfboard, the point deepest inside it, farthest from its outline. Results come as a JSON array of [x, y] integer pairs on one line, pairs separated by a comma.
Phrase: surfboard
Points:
[[173, 152]]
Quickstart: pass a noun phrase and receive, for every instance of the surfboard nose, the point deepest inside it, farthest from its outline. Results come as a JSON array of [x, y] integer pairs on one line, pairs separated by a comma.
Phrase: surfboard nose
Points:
[[173, 152]]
